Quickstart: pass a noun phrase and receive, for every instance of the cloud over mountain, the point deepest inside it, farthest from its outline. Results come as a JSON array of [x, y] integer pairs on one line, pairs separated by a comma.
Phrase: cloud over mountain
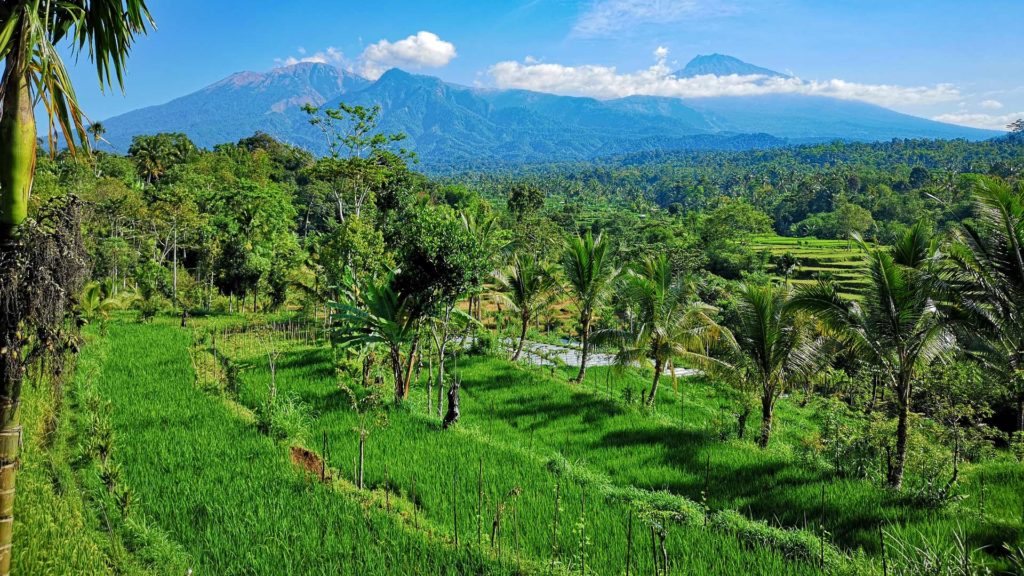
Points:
[[606, 82], [421, 50]]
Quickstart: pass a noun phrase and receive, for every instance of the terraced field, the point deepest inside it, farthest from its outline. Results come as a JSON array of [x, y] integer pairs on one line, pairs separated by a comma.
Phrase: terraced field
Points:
[[539, 477], [838, 260]]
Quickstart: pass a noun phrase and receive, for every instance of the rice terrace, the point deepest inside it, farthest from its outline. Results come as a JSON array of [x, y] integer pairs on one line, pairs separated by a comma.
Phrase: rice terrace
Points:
[[517, 288]]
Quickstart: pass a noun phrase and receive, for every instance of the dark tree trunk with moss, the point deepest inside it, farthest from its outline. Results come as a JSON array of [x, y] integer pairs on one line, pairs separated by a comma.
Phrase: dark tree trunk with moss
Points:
[[452, 415]]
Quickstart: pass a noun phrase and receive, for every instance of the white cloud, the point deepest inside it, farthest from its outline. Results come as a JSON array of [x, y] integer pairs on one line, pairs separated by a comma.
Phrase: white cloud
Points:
[[421, 50], [606, 82], [980, 120], [329, 56], [605, 17], [991, 104], [661, 53]]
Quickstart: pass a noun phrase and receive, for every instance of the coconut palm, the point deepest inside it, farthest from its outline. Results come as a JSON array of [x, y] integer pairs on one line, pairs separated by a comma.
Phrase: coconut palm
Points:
[[527, 287], [590, 275], [30, 31], [897, 326], [988, 256], [376, 314], [772, 344], [99, 299], [671, 323], [97, 130]]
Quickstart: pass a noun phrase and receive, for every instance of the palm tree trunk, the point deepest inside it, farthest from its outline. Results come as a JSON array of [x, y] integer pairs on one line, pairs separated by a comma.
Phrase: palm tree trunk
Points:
[[767, 413], [654, 385], [17, 167], [17, 148], [585, 352], [522, 337], [896, 470]]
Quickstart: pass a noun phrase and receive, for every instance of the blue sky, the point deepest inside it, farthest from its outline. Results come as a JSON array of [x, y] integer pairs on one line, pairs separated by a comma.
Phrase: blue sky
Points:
[[958, 61]]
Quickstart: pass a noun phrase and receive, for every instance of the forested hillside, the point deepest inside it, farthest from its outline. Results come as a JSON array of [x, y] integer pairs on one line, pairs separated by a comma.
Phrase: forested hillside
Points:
[[388, 330]]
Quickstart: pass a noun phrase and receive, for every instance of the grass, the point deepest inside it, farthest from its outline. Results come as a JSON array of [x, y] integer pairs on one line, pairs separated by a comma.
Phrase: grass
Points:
[[413, 451], [213, 493], [228, 496]]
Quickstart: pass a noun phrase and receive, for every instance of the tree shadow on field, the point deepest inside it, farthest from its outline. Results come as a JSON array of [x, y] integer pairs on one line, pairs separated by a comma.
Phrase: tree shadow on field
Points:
[[312, 364], [506, 393]]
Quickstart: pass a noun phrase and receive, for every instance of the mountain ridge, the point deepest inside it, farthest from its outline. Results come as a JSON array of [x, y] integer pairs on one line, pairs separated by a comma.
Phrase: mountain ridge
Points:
[[453, 125]]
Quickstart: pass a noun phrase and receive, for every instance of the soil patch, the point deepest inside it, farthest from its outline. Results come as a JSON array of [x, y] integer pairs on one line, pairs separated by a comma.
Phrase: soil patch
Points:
[[307, 460]]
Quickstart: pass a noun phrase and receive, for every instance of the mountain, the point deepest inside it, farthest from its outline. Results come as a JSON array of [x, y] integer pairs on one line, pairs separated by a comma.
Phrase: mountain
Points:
[[240, 105], [452, 126], [722, 65]]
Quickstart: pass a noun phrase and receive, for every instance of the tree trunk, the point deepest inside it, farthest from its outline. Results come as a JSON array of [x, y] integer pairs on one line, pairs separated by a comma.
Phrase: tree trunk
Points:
[[767, 412], [441, 349], [741, 422], [654, 385], [17, 168], [585, 352], [903, 423], [11, 375], [452, 415], [174, 281], [1020, 414], [17, 147], [397, 372], [410, 365], [522, 337]]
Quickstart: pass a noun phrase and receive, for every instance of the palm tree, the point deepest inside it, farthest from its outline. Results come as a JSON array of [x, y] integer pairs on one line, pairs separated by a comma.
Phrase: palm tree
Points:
[[671, 322], [590, 274], [773, 343], [377, 314], [988, 256], [527, 287], [897, 326], [30, 31], [97, 130]]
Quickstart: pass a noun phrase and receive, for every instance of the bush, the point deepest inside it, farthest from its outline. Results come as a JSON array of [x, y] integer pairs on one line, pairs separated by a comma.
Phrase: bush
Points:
[[483, 344], [282, 418]]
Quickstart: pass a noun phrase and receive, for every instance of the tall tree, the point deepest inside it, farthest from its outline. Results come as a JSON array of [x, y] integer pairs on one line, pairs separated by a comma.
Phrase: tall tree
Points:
[[670, 324], [590, 274], [773, 344], [30, 31], [897, 325], [527, 287], [988, 254]]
